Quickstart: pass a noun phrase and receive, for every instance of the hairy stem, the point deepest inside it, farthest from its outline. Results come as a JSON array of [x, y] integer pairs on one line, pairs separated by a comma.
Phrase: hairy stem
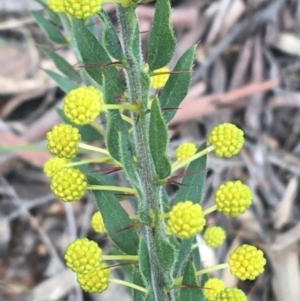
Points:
[[150, 193]]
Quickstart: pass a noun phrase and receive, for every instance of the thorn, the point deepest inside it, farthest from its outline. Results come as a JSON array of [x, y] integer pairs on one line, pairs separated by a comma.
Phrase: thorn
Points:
[[131, 226], [96, 65]]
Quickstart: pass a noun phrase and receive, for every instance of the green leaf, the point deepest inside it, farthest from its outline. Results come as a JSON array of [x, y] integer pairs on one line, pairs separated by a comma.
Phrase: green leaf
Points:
[[158, 137], [193, 184], [49, 29], [95, 57], [115, 219], [110, 37], [166, 256], [136, 43], [137, 279], [64, 83], [192, 291], [62, 65], [196, 255], [161, 43], [205, 277], [115, 122], [183, 255], [128, 164], [145, 269], [177, 85], [88, 133]]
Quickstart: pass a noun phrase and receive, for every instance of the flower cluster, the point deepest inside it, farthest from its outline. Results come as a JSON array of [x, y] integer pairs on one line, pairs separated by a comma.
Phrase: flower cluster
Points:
[[81, 9], [214, 236], [227, 139], [84, 257], [139, 148], [186, 219]]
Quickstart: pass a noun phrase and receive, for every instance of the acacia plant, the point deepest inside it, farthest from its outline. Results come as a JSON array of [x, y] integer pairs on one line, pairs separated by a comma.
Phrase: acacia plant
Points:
[[124, 99]]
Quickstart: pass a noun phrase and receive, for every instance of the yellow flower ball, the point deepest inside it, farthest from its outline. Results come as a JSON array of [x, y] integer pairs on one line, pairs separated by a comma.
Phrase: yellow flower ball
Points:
[[97, 223], [233, 198], [56, 5], [214, 236], [185, 151], [247, 262], [158, 81], [186, 219], [96, 281], [82, 9], [83, 105], [212, 287], [83, 256], [69, 184], [227, 139], [63, 141], [53, 165], [231, 294]]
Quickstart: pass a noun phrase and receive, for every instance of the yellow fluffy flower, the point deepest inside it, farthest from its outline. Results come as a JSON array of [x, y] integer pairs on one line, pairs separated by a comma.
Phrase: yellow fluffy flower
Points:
[[227, 139], [186, 219], [247, 262]]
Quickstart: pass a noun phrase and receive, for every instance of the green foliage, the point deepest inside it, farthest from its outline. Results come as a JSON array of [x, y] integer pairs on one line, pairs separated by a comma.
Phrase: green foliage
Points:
[[51, 31], [94, 57], [62, 65], [161, 43], [183, 255], [110, 37], [144, 264], [158, 138], [191, 291], [138, 148], [137, 279], [193, 184], [64, 83], [116, 219], [177, 85]]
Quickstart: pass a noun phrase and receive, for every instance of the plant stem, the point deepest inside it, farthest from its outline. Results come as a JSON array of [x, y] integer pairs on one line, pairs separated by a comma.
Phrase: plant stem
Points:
[[194, 157], [149, 197], [210, 209], [112, 188], [129, 284]]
